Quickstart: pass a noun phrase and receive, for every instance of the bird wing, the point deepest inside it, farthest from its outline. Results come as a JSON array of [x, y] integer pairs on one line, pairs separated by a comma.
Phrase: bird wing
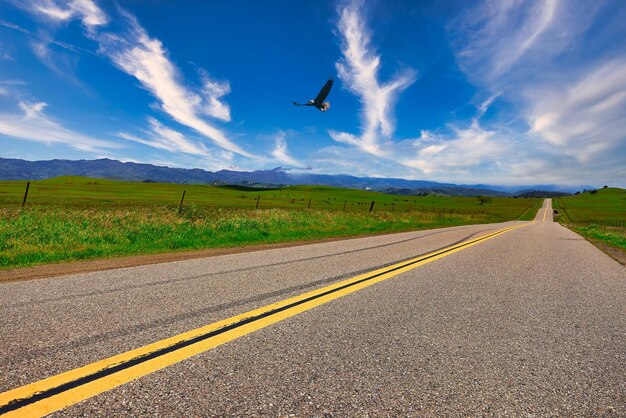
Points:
[[321, 96]]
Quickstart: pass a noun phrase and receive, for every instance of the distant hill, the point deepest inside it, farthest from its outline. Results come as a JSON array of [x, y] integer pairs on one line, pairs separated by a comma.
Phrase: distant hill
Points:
[[444, 191], [540, 193], [16, 169]]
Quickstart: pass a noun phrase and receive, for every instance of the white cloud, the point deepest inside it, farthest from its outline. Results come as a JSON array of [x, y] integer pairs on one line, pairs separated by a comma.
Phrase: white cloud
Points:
[[545, 63], [467, 149], [43, 38], [358, 69], [86, 10], [146, 59], [164, 138], [585, 119], [214, 90], [14, 27], [61, 64], [337, 159], [497, 42], [281, 154], [34, 125]]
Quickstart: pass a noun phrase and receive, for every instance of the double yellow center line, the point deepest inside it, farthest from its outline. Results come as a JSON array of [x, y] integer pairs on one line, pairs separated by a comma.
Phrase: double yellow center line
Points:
[[57, 392]]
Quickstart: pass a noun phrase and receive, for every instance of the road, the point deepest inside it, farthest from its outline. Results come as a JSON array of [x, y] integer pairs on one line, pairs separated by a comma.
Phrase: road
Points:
[[518, 318]]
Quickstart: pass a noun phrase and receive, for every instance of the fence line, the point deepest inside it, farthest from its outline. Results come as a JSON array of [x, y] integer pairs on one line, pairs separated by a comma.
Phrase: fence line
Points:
[[615, 223], [244, 201], [187, 201]]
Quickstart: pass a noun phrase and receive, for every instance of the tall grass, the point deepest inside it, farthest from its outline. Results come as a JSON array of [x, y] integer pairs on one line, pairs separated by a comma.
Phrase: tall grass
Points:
[[615, 237], [45, 234], [76, 218]]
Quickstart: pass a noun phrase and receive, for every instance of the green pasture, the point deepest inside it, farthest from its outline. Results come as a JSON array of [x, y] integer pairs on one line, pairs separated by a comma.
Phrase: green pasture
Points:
[[600, 215], [74, 218], [605, 204], [89, 192]]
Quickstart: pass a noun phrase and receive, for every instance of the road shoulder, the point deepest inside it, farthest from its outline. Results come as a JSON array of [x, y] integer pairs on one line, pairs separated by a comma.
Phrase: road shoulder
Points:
[[87, 266]]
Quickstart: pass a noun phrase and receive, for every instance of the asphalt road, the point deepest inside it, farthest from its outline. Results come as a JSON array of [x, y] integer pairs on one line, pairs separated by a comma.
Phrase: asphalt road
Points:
[[530, 322]]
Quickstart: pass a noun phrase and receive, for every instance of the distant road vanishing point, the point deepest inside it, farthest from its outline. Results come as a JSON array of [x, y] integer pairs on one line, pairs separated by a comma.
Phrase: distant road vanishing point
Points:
[[517, 318]]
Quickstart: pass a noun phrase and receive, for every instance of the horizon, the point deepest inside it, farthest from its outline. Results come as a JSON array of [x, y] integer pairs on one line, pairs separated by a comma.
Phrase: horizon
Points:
[[451, 92], [496, 187]]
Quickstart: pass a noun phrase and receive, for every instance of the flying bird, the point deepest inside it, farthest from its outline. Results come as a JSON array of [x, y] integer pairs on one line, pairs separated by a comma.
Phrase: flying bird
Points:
[[319, 102]]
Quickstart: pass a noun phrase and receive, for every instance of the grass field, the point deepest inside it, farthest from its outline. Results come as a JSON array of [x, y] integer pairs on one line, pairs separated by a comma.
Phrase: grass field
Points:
[[73, 218], [89, 192], [600, 215]]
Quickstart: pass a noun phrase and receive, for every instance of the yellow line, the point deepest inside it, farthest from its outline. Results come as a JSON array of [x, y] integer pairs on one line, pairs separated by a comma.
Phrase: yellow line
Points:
[[103, 384]]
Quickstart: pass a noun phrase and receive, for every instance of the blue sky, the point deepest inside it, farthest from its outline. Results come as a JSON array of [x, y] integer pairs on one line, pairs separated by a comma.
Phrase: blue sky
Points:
[[500, 92]]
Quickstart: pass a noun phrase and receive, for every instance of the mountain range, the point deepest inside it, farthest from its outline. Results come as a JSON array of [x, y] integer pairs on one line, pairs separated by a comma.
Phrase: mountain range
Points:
[[16, 169]]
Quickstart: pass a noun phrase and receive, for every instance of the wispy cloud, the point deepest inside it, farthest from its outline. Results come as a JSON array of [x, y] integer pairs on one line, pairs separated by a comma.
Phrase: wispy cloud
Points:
[[34, 125], [358, 69], [13, 26], [497, 42], [164, 138], [357, 162], [460, 150], [145, 58], [213, 91], [60, 57], [466, 150], [86, 10], [537, 56], [63, 64], [42, 37], [281, 154], [587, 118], [14, 82]]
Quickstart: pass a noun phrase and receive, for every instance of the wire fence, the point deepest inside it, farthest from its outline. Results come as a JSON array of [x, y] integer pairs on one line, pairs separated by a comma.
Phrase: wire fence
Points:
[[611, 222], [607, 225], [612, 225], [207, 199]]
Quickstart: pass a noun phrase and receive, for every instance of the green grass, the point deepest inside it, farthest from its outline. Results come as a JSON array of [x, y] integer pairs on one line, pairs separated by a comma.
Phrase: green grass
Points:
[[75, 218], [531, 211], [89, 192], [605, 204], [600, 215], [608, 235]]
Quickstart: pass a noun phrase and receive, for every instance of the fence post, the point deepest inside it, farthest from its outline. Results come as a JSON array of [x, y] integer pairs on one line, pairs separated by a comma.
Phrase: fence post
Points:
[[258, 199], [372, 206], [344, 205], [393, 205], [182, 199], [309, 205], [25, 194]]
